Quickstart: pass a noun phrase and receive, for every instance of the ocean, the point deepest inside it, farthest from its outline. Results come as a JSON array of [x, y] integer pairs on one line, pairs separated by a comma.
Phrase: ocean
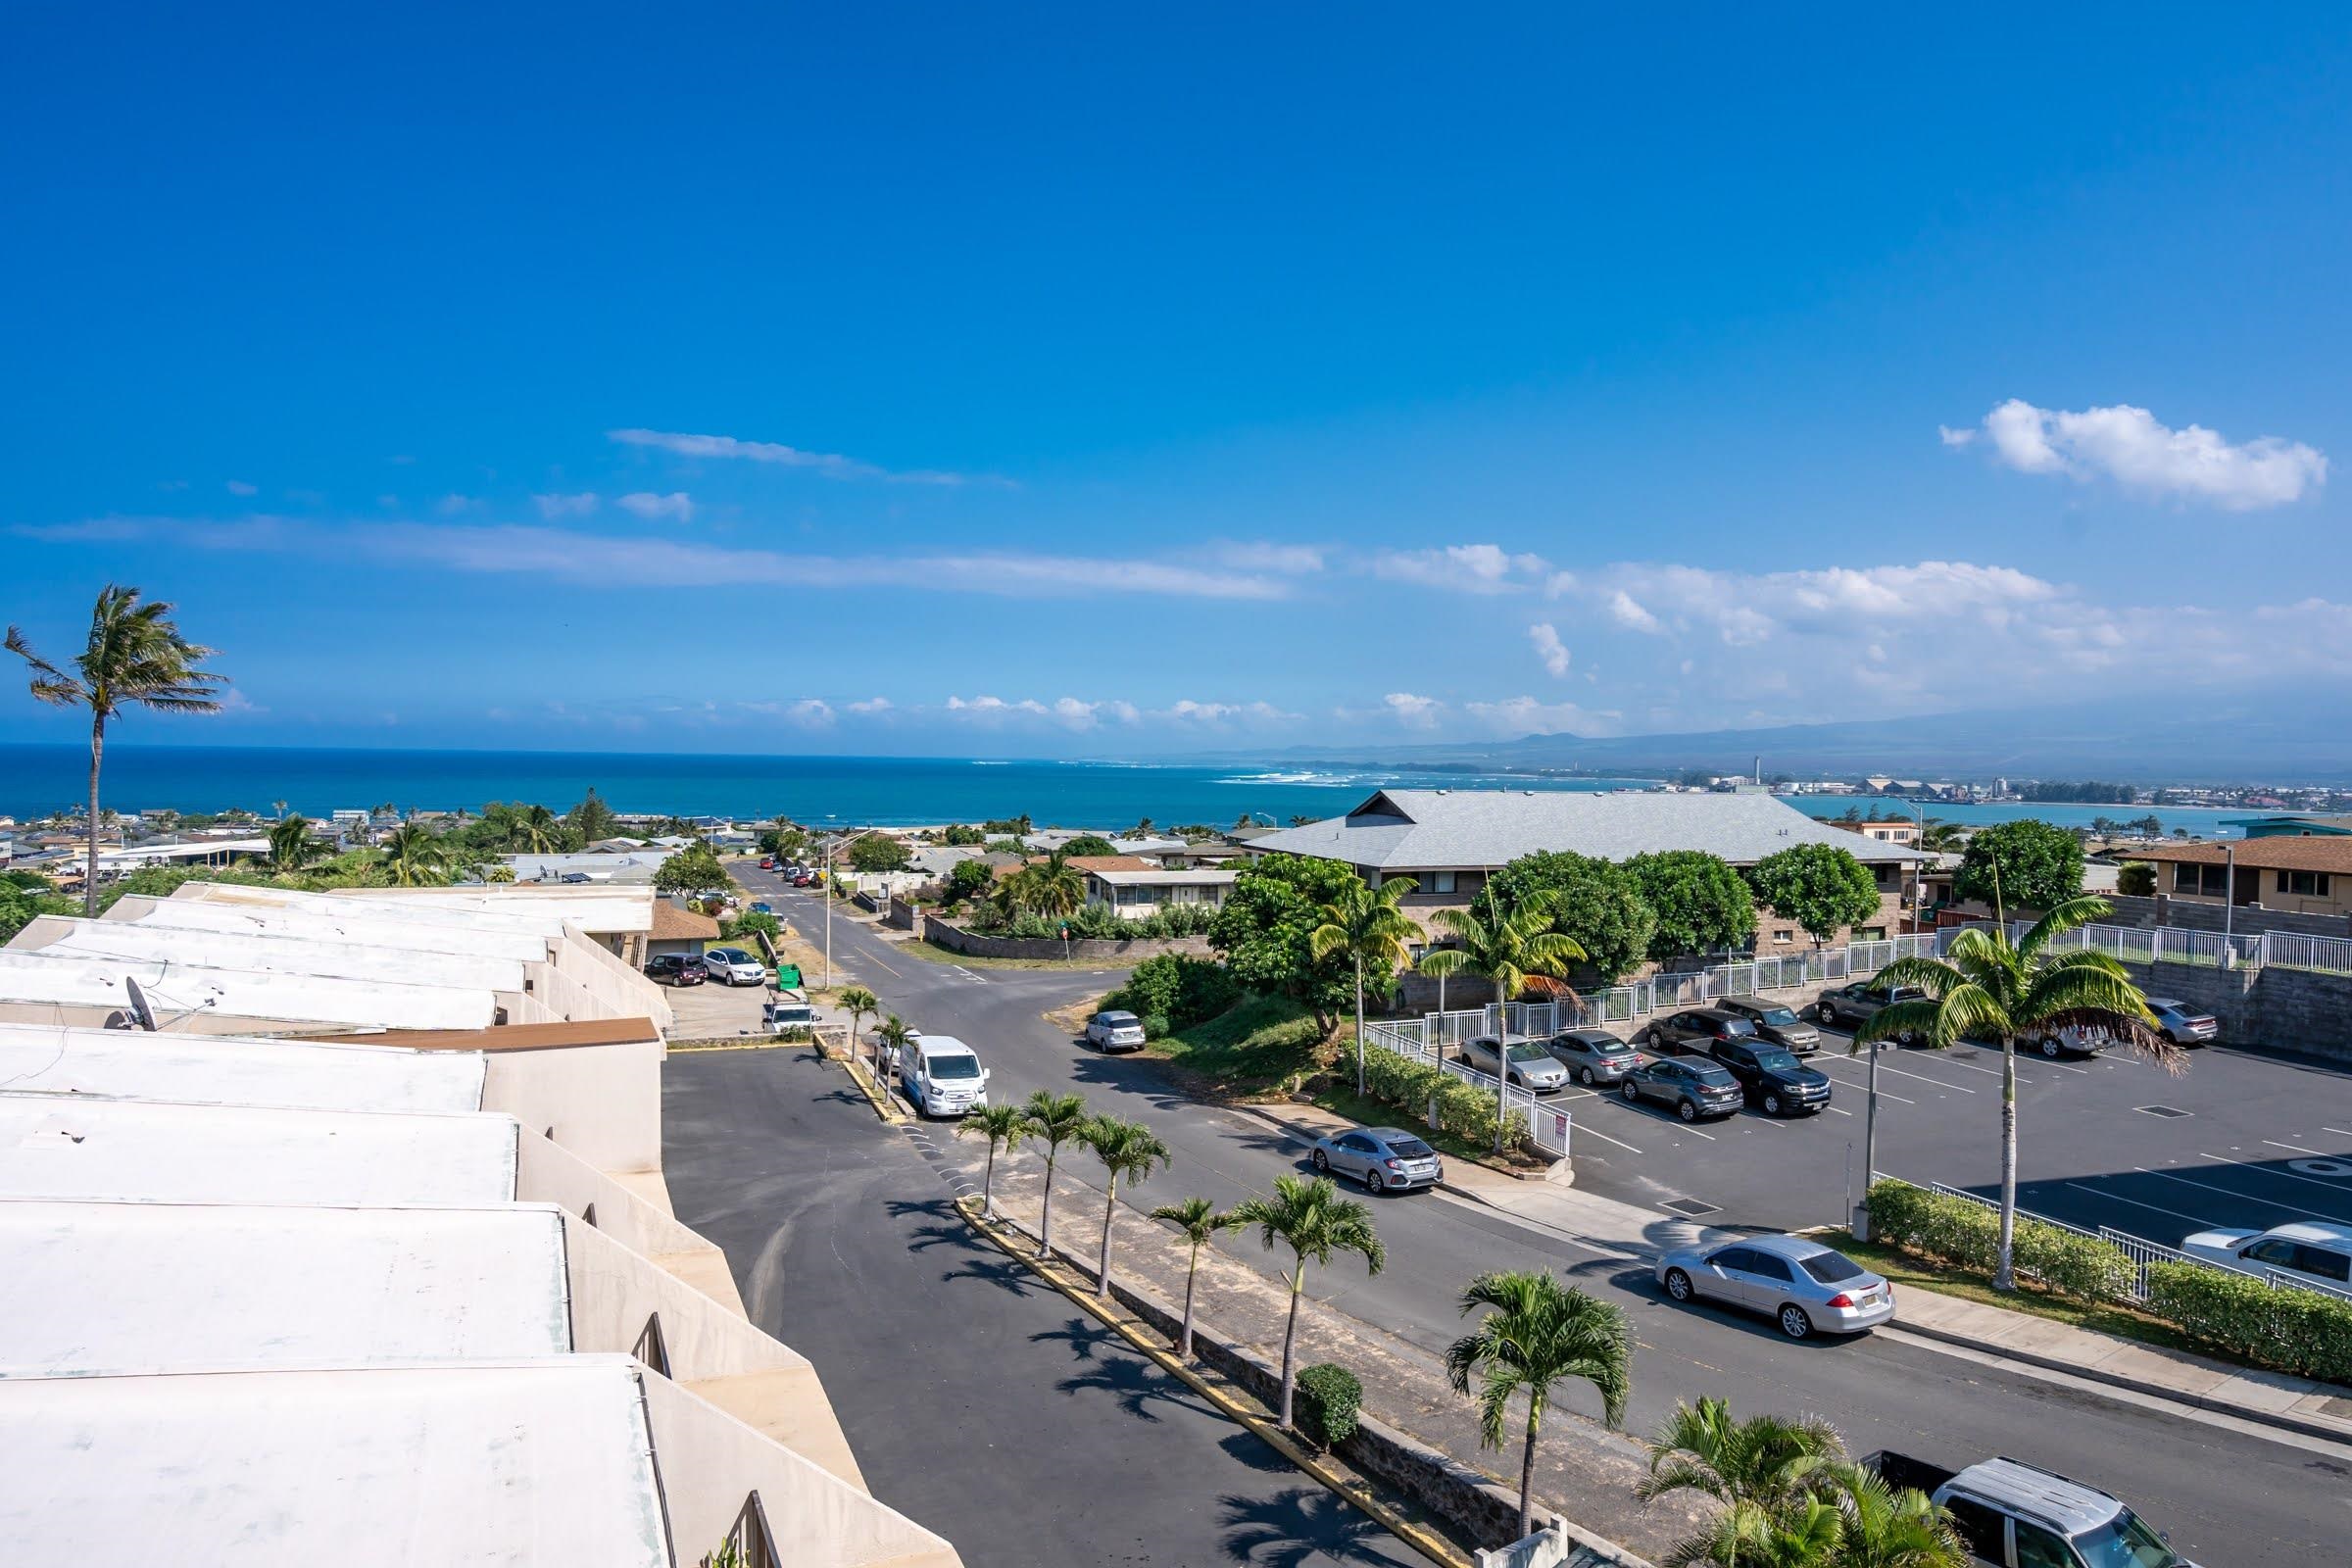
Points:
[[879, 791]]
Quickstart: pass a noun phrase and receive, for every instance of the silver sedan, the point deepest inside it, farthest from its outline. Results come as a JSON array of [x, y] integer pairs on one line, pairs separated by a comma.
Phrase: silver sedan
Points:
[[1798, 1283]]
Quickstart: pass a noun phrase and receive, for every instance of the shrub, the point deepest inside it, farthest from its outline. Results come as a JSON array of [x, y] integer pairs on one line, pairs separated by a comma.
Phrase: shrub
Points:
[[1156, 1026], [2300, 1332], [1326, 1408], [1463, 1109], [1182, 990], [1956, 1231]]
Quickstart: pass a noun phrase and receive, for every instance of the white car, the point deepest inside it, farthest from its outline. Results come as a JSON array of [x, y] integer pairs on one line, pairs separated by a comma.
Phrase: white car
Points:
[[1115, 1031], [2317, 1251], [733, 966], [942, 1076]]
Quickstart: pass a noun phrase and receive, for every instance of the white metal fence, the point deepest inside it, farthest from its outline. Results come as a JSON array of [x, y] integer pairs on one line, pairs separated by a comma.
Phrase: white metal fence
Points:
[[2212, 950]]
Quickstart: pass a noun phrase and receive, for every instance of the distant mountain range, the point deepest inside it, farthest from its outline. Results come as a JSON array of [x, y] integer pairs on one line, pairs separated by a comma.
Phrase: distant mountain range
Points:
[[2297, 738]]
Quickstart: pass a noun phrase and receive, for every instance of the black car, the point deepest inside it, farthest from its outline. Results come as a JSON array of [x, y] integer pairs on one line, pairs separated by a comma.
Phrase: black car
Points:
[[1776, 1022], [1692, 1085], [1695, 1029], [1771, 1076], [676, 969]]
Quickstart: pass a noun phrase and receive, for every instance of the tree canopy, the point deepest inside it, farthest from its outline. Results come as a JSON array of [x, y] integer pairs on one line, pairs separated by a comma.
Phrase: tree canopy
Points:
[[592, 818], [1819, 886], [1600, 908], [1090, 844], [1265, 933], [1702, 906], [692, 869], [2040, 866], [878, 851]]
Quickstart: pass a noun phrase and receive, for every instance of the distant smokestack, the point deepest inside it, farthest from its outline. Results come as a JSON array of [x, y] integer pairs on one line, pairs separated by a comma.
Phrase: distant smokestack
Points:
[[1759, 770]]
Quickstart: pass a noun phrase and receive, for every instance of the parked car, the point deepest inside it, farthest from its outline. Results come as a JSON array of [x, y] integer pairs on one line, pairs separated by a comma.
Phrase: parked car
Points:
[[1694, 1086], [675, 969], [1848, 1005], [1772, 1077], [1386, 1160], [1695, 1029], [767, 863], [2009, 1513], [1776, 1021], [1115, 1031], [733, 966], [1799, 1284], [942, 1076], [2183, 1024], [1530, 1065], [1592, 1056], [2316, 1251], [789, 1012], [761, 908]]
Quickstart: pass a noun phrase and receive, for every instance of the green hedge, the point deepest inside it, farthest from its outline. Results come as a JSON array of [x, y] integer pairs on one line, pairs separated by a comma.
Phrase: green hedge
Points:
[[1178, 990], [1463, 1109], [2301, 1332], [1325, 1410], [1956, 1231]]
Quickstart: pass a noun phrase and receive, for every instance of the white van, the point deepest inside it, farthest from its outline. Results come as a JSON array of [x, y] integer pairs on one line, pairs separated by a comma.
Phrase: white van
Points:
[[942, 1076]]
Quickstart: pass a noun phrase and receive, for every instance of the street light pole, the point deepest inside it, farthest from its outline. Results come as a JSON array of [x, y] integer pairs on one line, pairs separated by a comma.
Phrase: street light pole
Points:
[[2229, 895], [828, 881], [1870, 1146]]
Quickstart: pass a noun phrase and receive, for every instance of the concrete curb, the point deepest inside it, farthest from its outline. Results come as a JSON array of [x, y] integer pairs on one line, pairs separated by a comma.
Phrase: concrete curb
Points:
[[884, 1107], [732, 1045], [1431, 1546]]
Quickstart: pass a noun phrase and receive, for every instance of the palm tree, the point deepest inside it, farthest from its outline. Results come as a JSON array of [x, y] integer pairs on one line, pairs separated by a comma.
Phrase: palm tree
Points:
[[291, 847], [1053, 1120], [1197, 1221], [1986, 987], [1539, 1334], [1312, 1219], [135, 657], [1126, 1149], [1055, 888], [1364, 924], [1808, 1535], [860, 1002], [413, 857], [1764, 1460], [1887, 1528], [539, 830], [1004, 1126], [502, 823], [1513, 951], [892, 1036]]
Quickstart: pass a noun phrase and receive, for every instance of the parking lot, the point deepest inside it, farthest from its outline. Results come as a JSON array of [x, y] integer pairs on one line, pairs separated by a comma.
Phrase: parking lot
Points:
[[2236, 1139], [712, 1012]]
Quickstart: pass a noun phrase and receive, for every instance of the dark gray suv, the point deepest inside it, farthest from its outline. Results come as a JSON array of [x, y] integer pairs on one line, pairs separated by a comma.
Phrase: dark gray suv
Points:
[[1775, 1022]]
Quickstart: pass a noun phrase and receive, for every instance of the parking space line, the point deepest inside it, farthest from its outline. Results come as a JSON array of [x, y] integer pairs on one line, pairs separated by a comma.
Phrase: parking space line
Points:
[[1925, 1079], [2158, 1208], [1841, 1109], [2297, 1147], [2314, 1181], [1883, 1094], [2345, 1131], [1606, 1139], [2231, 1191]]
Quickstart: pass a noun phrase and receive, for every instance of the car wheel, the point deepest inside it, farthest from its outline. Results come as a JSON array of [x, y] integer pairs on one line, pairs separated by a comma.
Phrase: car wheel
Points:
[[1687, 1109], [1372, 1181], [1826, 1014], [1904, 1036], [1677, 1285], [1794, 1322], [1584, 1076], [1633, 1095], [2050, 1046], [1772, 1104], [1322, 1163]]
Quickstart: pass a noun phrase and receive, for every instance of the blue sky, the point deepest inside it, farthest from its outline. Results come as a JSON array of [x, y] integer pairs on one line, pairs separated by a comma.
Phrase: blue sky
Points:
[[1021, 381]]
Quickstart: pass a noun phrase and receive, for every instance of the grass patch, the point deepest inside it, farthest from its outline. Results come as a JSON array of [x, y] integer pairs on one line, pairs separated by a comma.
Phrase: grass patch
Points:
[[1258, 1045], [931, 952], [2100, 1317]]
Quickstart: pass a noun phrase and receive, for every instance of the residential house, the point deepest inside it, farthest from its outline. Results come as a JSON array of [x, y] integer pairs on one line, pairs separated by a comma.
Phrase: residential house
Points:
[[1135, 887], [2293, 872], [2332, 824], [678, 929], [1449, 841]]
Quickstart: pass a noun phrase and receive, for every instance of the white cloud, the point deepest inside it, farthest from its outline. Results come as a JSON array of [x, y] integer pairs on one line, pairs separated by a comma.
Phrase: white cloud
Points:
[[1465, 568], [2130, 447], [814, 712], [1548, 648], [1293, 560], [238, 487], [677, 506], [1532, 715], [1416, 712], [870, 704], [565, 505], [1217, 712], [830, 465], [1629, 614], [1075, 713], [1955, 438], [449, 506]]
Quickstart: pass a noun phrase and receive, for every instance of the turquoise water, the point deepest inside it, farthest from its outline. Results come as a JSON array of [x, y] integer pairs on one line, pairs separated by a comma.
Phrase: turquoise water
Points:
[[35, 780]]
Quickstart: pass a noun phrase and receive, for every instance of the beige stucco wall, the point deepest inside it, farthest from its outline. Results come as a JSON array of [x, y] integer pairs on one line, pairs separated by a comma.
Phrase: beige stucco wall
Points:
[[548, 1173], [602, 1103]]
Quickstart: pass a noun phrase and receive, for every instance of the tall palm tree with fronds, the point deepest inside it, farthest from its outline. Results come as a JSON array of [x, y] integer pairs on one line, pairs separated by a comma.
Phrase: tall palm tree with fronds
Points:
[[1126, 1149], [136, 657], [858, 1002], [1197, 1221], [413, 857], [1887, 1527], [539, 830], [1055, 886], [1537, 1334], [892, 1036], [1365, 924], [1311, 1219], [1053, 1120], [291, 846], [1514, 951], [1003, 1125], [1986, 987]]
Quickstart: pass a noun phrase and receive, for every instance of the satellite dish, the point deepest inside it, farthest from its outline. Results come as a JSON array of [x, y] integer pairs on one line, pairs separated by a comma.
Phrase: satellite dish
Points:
[[140, 1009]]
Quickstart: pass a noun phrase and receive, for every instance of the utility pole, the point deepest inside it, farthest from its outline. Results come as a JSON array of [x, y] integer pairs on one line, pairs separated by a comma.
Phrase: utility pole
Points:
[[2230, 896], [1870, 1145], [828, 881]]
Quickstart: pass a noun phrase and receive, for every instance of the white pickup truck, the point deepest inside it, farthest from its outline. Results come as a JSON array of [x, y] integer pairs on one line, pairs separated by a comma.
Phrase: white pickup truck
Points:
[[2015, 1516], [788, 1010]]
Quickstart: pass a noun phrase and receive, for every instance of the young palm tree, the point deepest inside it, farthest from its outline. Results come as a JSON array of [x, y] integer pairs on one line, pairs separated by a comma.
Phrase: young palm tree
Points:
[[1538, 1335], [1126, 1149], [1197, 1221], [1055, 888], [1986, 987], [892, 1036], [860, 1002], [1004, 1126], [1513, 951], [1808, 1535], [291, 847], [1364, 923], [1763, 1460], [1053, 1120], [135, 657], [539, 830], [413, 857], [1312, 1219], [1889, 1529]]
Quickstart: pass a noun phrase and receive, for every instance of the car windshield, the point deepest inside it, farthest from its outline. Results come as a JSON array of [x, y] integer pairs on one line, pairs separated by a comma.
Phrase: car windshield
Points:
[[1776, 1061], [1735, 1026], [1526, 1053], [1715, 1077], [954, 1067], [1831, 1268], [2124, 1542], [1778, 1017], [1408, 1148]]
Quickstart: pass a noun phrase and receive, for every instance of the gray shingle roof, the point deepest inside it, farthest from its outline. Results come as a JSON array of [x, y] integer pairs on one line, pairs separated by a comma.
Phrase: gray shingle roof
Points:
[[1405, 830]]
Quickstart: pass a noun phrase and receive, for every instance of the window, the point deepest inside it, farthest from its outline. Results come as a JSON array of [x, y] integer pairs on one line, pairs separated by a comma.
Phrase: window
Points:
[[2304, 884], [2278, 1251], [2205, 881], [2326, 1265], [1831, 1268], [1783, 934], [1440, 881], [1980, 1528], [1765, 1266], [1734, 1260], [2037, 1547]]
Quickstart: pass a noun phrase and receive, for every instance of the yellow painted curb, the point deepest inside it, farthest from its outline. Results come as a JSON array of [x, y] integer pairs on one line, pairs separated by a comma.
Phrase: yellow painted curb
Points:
[[1435, 1548], [874, 1097]]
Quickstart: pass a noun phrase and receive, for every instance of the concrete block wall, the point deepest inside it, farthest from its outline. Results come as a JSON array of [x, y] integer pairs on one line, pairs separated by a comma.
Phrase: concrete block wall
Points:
[[2246, 920], [942, 934], [2286, 1010]]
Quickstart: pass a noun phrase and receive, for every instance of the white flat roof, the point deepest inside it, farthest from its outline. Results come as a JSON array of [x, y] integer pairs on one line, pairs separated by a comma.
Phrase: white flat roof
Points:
[[144, 1151], [222, 1070], [287, 953], [87, 981], [115, 1287], [596, 908], [393, 904], [464, 1466], [382, 928]]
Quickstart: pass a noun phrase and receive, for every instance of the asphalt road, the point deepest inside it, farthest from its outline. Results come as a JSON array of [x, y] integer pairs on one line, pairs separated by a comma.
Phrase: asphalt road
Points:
[[2192, 1476], [979, 1402]]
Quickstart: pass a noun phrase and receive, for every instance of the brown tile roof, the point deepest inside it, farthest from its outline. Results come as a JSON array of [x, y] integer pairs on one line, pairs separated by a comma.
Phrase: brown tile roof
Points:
[[674, 924], [506, 1037], [1112, 862], [2319, 852]]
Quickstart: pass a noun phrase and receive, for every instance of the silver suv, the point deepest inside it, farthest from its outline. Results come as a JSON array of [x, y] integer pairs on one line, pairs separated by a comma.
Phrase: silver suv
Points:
[[1531, 1067]]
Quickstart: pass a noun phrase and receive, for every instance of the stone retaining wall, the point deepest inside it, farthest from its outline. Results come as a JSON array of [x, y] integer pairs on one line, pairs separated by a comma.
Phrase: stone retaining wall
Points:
[[1135, 949], [2300, 1011]]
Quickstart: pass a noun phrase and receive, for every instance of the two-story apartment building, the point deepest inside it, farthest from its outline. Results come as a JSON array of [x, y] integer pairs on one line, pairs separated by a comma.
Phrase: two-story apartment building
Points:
[[2297, 873]]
